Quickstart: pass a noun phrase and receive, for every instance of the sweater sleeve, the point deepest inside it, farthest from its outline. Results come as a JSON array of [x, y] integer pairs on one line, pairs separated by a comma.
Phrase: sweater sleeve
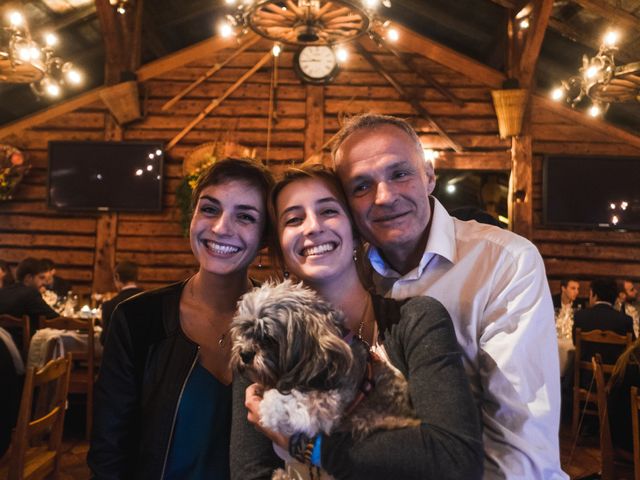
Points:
[[114, 440], [448, 443], [251, 453]]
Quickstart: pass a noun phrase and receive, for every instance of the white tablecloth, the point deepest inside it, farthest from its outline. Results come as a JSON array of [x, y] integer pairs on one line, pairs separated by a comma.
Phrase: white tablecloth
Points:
[[566, 350], [49, 343]]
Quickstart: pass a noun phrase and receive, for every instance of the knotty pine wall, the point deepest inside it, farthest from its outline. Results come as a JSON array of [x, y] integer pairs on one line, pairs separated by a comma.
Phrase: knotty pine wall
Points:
[[155, 241]]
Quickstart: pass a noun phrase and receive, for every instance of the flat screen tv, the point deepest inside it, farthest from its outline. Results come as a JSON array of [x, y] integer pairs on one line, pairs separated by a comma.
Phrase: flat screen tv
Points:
[[105, 176], [592, 191]]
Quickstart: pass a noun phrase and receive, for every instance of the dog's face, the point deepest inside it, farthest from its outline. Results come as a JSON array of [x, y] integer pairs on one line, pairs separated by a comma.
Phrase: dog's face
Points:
[[285, 337]]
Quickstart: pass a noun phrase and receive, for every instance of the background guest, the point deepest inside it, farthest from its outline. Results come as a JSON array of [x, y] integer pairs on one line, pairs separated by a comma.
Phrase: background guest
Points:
[[626, 303], [569, 291], [24, 298], [602, 316], [626, 374], [125, 276], [6, 276], [60, 286]]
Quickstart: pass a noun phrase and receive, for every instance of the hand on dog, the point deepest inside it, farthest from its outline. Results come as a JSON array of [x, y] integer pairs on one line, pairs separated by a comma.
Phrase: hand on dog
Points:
[[252, 399]]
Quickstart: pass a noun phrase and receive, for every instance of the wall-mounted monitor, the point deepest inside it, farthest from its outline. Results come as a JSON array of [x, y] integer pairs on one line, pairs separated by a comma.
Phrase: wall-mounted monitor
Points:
[[105, 176], [592, 191]]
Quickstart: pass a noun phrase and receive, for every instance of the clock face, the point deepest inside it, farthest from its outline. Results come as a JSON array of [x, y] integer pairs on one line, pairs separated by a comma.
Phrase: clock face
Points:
[[317, 63]]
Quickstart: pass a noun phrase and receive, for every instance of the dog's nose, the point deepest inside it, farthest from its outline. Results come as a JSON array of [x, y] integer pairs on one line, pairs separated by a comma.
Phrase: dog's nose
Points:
[[247, 357]]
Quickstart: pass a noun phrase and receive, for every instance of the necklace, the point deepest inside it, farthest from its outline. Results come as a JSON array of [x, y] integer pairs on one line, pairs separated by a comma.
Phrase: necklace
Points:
[[222, 339], [363, 318]]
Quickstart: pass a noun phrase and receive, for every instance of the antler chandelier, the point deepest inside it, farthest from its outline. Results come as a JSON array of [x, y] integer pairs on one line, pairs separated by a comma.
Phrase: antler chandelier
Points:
[[305, 22], [22, 60], [601, 81]]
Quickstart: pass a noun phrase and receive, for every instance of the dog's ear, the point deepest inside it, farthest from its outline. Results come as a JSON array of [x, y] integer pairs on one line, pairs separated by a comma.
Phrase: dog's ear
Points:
[[317, 358]]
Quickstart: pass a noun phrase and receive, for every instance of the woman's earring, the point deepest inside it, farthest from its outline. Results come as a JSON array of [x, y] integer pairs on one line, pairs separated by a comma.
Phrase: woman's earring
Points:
[[285, 274], [355, 254]]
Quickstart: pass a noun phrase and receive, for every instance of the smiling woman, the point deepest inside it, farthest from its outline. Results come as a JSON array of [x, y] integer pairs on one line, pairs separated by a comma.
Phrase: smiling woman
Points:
[[315, 241], [163, 398]]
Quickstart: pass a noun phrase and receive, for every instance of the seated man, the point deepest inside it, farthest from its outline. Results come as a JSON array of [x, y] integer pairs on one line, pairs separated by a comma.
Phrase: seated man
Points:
[[60, 286], [626, 303], [568, 296], [125, 276], [23, 297], [602, 316]]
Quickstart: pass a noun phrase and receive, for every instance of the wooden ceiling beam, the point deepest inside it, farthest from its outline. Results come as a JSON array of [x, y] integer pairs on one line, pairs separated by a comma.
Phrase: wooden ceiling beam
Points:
[[198, 51], [533, 42], [73, 18], [618, 16], [413, 42]]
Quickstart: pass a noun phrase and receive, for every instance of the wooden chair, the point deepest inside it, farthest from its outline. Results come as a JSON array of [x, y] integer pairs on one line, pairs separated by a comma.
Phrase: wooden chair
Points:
[[635, 406], [613, 461], [584, 367], [11, 322], [83, 370], [29, 456]]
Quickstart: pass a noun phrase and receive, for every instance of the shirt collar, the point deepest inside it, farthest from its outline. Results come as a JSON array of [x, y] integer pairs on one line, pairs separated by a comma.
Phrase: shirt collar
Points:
[[441, 242]]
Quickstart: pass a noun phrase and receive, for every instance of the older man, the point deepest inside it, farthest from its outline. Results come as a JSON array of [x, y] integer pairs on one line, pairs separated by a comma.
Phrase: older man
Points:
[[491, 281]]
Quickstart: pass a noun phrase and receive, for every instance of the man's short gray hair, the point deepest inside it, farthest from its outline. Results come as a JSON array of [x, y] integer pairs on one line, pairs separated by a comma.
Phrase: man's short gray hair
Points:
[[370, 121]]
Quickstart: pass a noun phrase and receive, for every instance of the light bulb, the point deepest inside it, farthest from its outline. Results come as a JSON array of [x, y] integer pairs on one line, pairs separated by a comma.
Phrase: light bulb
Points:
[[371, 3], [592, 72], [50, 39], [74, 77], [158, 152], [52, 88], [276, 50], [342, 54], [524, 24], [16, 19], [393, 35], [611, 38], [225, 30], [595, 110], [557, 93], [451, 188], [24, 53]]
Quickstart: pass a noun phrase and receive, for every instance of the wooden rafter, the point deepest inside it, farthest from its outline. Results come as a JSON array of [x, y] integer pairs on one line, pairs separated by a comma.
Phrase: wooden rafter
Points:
[[616, 15], [408, 62], [533, 43], [217, 101], [413, 42], [252, 39], [415, 104]]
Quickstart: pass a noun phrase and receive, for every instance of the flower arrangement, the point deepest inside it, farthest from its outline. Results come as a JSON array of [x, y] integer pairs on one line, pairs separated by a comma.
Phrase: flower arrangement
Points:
[[13, 168]]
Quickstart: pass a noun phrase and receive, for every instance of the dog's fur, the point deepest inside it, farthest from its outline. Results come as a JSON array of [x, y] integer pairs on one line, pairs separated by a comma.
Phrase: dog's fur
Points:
[[291, 342]]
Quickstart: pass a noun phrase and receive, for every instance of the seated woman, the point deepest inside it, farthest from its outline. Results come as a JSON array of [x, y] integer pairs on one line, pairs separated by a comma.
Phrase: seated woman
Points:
[[317, 242], [626, 374], [163, 397]]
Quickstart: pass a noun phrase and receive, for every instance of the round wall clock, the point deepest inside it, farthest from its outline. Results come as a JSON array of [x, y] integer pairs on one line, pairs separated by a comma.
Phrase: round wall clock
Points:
[[316, 63]]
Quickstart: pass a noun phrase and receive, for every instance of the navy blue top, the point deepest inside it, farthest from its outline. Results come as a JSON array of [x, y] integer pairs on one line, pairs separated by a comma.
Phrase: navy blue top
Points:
[[200, 443]]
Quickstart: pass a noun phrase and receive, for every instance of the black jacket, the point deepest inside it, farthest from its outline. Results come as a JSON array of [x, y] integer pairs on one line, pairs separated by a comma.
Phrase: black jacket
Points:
[[578, 303], [602, 317], [146, 361], [18, 300]]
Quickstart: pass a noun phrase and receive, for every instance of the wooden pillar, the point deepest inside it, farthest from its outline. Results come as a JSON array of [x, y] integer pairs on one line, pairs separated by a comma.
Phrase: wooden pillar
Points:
[[521, 182], [122, 39], [314, 126], [104, 259]]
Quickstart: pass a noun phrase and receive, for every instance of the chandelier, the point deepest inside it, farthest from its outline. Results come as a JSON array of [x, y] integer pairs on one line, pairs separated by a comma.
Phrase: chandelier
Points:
[[601, 81], [305, 22], [22, 60]]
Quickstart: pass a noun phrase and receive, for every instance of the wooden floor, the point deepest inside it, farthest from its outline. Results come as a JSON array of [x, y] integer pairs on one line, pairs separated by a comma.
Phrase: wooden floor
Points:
[[585, 460]]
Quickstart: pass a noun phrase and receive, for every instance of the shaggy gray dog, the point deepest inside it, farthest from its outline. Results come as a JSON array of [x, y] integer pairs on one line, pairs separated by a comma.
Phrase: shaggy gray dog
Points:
[[291, 342]]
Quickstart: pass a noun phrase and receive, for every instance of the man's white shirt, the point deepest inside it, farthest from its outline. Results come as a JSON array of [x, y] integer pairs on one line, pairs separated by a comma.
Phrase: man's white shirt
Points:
[[493, 284]]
